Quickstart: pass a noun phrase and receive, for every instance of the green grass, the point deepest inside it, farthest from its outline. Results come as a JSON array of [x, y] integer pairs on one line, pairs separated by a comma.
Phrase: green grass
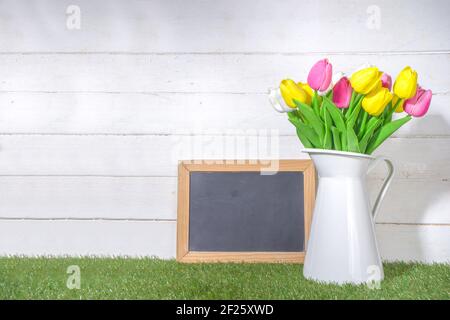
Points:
[[119, 278]]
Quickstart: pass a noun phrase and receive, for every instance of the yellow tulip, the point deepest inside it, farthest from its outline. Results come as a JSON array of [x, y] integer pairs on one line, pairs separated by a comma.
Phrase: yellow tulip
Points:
[[290, 91], [309, 91], [405, 85], [399, 108], [375, 102], [366, 80]]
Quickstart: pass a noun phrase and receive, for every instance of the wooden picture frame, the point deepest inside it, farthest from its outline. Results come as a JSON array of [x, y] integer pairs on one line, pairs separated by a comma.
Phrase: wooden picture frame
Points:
[[186, 167]]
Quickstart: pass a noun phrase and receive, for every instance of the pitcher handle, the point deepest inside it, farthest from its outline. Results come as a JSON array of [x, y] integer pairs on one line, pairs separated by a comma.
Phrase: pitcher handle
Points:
[[386, 182]]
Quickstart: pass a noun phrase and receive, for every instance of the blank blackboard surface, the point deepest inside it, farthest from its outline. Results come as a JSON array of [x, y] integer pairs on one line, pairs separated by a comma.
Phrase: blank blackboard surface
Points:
[[239, 212], [246, 212]]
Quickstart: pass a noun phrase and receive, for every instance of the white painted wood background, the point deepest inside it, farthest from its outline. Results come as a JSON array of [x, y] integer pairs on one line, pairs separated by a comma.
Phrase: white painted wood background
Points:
[[92, 121]]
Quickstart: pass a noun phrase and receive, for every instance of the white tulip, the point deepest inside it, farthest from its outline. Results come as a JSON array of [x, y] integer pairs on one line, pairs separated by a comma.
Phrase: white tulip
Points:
[[277, 101]]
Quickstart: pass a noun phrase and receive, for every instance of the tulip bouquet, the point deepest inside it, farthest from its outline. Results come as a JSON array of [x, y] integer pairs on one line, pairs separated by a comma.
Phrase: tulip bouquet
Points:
[[349, 114]]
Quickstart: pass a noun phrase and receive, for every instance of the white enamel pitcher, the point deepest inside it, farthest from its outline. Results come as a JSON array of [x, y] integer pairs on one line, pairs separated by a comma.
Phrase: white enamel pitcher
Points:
[[342, 247]]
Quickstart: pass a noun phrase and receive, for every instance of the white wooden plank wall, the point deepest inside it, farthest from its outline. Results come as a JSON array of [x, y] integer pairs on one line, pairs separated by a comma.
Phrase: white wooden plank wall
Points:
[[93, 120]]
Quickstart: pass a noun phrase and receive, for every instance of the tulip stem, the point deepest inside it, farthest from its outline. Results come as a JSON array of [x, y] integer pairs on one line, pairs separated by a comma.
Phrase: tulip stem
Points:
[[352, 100], [329, 94], [354, 107], [391, 112], [356, 102], [299, 114], [315, 103], [362, 128], [360, 98]]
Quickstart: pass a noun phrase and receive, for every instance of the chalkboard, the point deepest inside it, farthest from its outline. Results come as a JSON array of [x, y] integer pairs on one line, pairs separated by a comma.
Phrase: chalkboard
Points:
[[246, 211], [234, 213]]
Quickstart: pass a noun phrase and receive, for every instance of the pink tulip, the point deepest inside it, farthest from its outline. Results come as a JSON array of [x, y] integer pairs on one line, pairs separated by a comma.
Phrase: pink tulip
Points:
[[418, 105], [319, 78], [342, 92], [386, 81]]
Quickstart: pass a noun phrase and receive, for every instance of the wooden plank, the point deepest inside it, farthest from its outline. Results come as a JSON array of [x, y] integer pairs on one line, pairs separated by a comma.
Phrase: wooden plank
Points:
[[137, 238], [126, 155], [218, 73], [156, 155], [414, 243], [183, 211], [230, 26], [435, 123], [249, 257], [130, 113], [59, 197], [75, 238], [417, 158], [413, 201], [62, 197], [211, 165]]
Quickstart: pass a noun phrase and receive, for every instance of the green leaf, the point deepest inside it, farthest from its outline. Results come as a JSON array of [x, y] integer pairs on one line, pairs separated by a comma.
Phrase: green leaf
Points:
[[352, 140], [338, 119], [322, 112], [327, 140], [305, 142], [327, 118], [373, 120], [354, 101], [336, 138], [308, 132], [386, 131], [386, 111], [391, 110], [315, 104], [344, 141], [294, 116], [371, 127], [362, 124], [329, 95], [354, 116], [313, 120]]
